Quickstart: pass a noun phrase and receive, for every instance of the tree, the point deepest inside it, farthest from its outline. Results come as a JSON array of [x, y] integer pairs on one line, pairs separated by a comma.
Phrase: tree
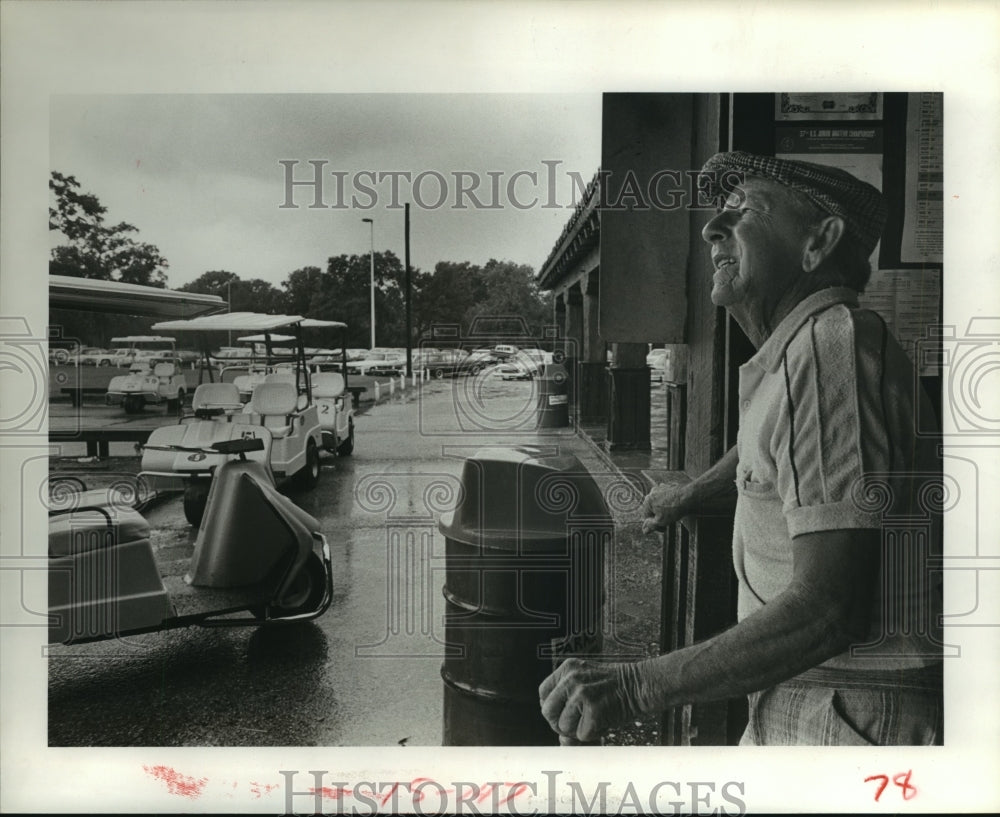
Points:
[[467, 295], [255, 295], [343, 292], [512, 292], [96, 250]]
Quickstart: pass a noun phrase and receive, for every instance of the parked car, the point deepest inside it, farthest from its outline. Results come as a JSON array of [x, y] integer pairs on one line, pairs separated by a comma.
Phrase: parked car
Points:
[[524, 365], [478, 360], [505, 350], [230, 353], [95, 356], [62, 352], [448, 362], [382, 362], [326, 362], [188, 355]]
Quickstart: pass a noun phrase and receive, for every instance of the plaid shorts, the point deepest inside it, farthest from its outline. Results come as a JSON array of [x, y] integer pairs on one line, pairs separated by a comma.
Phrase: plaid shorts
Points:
[[807, 712]]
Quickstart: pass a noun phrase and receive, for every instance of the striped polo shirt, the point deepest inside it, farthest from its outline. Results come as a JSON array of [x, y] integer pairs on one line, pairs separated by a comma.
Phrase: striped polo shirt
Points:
[[828, 440]]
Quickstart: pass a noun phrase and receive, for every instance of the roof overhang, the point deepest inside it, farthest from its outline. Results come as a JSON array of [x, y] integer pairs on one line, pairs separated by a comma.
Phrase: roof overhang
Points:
[[91, 295]]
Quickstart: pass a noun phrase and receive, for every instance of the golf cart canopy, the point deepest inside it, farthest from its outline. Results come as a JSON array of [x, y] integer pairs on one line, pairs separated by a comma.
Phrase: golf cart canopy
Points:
[[313, 323], [231, 322], [70, 292], [264, 338]]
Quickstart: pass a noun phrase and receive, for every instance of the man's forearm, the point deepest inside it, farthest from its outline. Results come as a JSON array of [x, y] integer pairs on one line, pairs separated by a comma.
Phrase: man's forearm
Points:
[[791, 634], [714, 489]]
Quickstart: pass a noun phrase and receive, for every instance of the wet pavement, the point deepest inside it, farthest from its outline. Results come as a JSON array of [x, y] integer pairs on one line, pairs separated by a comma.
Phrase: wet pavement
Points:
[[367, 673]]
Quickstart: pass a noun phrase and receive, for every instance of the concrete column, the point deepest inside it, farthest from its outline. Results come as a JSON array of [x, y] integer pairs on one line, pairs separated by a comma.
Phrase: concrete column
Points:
[[593, 345], [628, 424], [592, 376]]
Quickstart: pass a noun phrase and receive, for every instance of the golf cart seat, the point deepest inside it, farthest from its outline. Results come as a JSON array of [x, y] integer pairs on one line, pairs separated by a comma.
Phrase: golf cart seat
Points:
[[272, 405], [214, 399], [102, 575], [164, 371], [85, 528], [287, 377], [328, 384]]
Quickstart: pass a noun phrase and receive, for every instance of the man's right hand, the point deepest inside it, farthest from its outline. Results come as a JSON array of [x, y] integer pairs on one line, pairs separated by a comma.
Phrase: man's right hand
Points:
[[663, 506]]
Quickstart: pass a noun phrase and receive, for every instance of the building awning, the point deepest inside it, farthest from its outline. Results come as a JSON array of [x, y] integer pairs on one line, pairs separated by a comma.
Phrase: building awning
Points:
[[92, 295]]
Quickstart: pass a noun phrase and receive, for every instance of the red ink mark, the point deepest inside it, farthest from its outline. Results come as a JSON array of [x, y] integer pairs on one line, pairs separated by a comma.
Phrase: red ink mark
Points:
[[385, 798], [515, 790], [902, 780], [881, 788], [260, 789], [331, 792], [909, 791], [418, 793], [177, 783]]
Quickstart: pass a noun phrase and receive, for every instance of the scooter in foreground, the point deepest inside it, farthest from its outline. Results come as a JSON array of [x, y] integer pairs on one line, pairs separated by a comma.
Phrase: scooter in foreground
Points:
[[258, 558]]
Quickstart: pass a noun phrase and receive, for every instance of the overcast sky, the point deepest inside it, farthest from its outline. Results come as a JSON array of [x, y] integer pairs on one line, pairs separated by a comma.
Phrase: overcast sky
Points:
[[200, 175]]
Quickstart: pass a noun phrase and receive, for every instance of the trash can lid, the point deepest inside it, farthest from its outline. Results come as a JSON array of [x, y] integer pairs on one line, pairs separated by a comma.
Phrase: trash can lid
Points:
[[515, 496]]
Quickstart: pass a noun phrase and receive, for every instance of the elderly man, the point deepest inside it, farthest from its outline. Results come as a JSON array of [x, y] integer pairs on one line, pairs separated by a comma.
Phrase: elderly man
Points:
[[837, 639]]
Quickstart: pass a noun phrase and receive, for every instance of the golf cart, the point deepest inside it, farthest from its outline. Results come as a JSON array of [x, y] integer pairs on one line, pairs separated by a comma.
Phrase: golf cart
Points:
[[154, 375], [332, 397], [260, 361], [257, 559], [281, 413]]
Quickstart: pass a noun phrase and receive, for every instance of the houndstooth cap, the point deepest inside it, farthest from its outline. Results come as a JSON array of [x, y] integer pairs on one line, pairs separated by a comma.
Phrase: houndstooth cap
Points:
[[833, 190]]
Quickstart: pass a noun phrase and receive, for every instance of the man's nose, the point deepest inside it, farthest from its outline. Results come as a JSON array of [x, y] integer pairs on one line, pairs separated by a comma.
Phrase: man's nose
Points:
[[718, 228]]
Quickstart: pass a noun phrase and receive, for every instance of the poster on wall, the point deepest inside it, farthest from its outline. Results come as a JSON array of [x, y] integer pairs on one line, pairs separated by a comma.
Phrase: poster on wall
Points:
[[856, 149], [923, 213], [910, 302], [811, 106]]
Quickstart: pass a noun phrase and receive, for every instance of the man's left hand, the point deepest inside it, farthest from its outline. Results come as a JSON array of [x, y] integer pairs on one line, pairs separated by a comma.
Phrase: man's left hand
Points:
[[582, 699]]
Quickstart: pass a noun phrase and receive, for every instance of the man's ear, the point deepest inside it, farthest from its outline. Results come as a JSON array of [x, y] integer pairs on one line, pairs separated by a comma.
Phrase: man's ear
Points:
[[821, 242]]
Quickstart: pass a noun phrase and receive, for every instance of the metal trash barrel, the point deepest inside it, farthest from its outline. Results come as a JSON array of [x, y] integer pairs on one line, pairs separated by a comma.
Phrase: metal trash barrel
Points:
[[524, 590], [553, 396]]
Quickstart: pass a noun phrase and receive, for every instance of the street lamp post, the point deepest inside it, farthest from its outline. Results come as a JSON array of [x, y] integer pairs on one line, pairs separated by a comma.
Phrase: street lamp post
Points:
[[371, 224]]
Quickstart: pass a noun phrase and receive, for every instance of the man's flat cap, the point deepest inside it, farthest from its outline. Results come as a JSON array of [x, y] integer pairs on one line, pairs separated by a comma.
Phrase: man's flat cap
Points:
[[833, 190]]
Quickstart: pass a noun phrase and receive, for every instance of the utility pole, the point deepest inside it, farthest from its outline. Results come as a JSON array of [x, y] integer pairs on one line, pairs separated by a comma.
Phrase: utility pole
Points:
[[409, 314], [371, 224]]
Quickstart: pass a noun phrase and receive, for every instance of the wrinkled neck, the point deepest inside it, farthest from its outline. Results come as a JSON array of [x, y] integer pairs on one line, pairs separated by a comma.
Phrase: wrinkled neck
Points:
[[759, 319]]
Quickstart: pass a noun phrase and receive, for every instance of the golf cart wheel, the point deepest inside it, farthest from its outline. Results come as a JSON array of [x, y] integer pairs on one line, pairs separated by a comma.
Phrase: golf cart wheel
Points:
[[306, 592], [438, 374], [133, 403], [346, 448], [195, 497], [177, 402], [308, 477]]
